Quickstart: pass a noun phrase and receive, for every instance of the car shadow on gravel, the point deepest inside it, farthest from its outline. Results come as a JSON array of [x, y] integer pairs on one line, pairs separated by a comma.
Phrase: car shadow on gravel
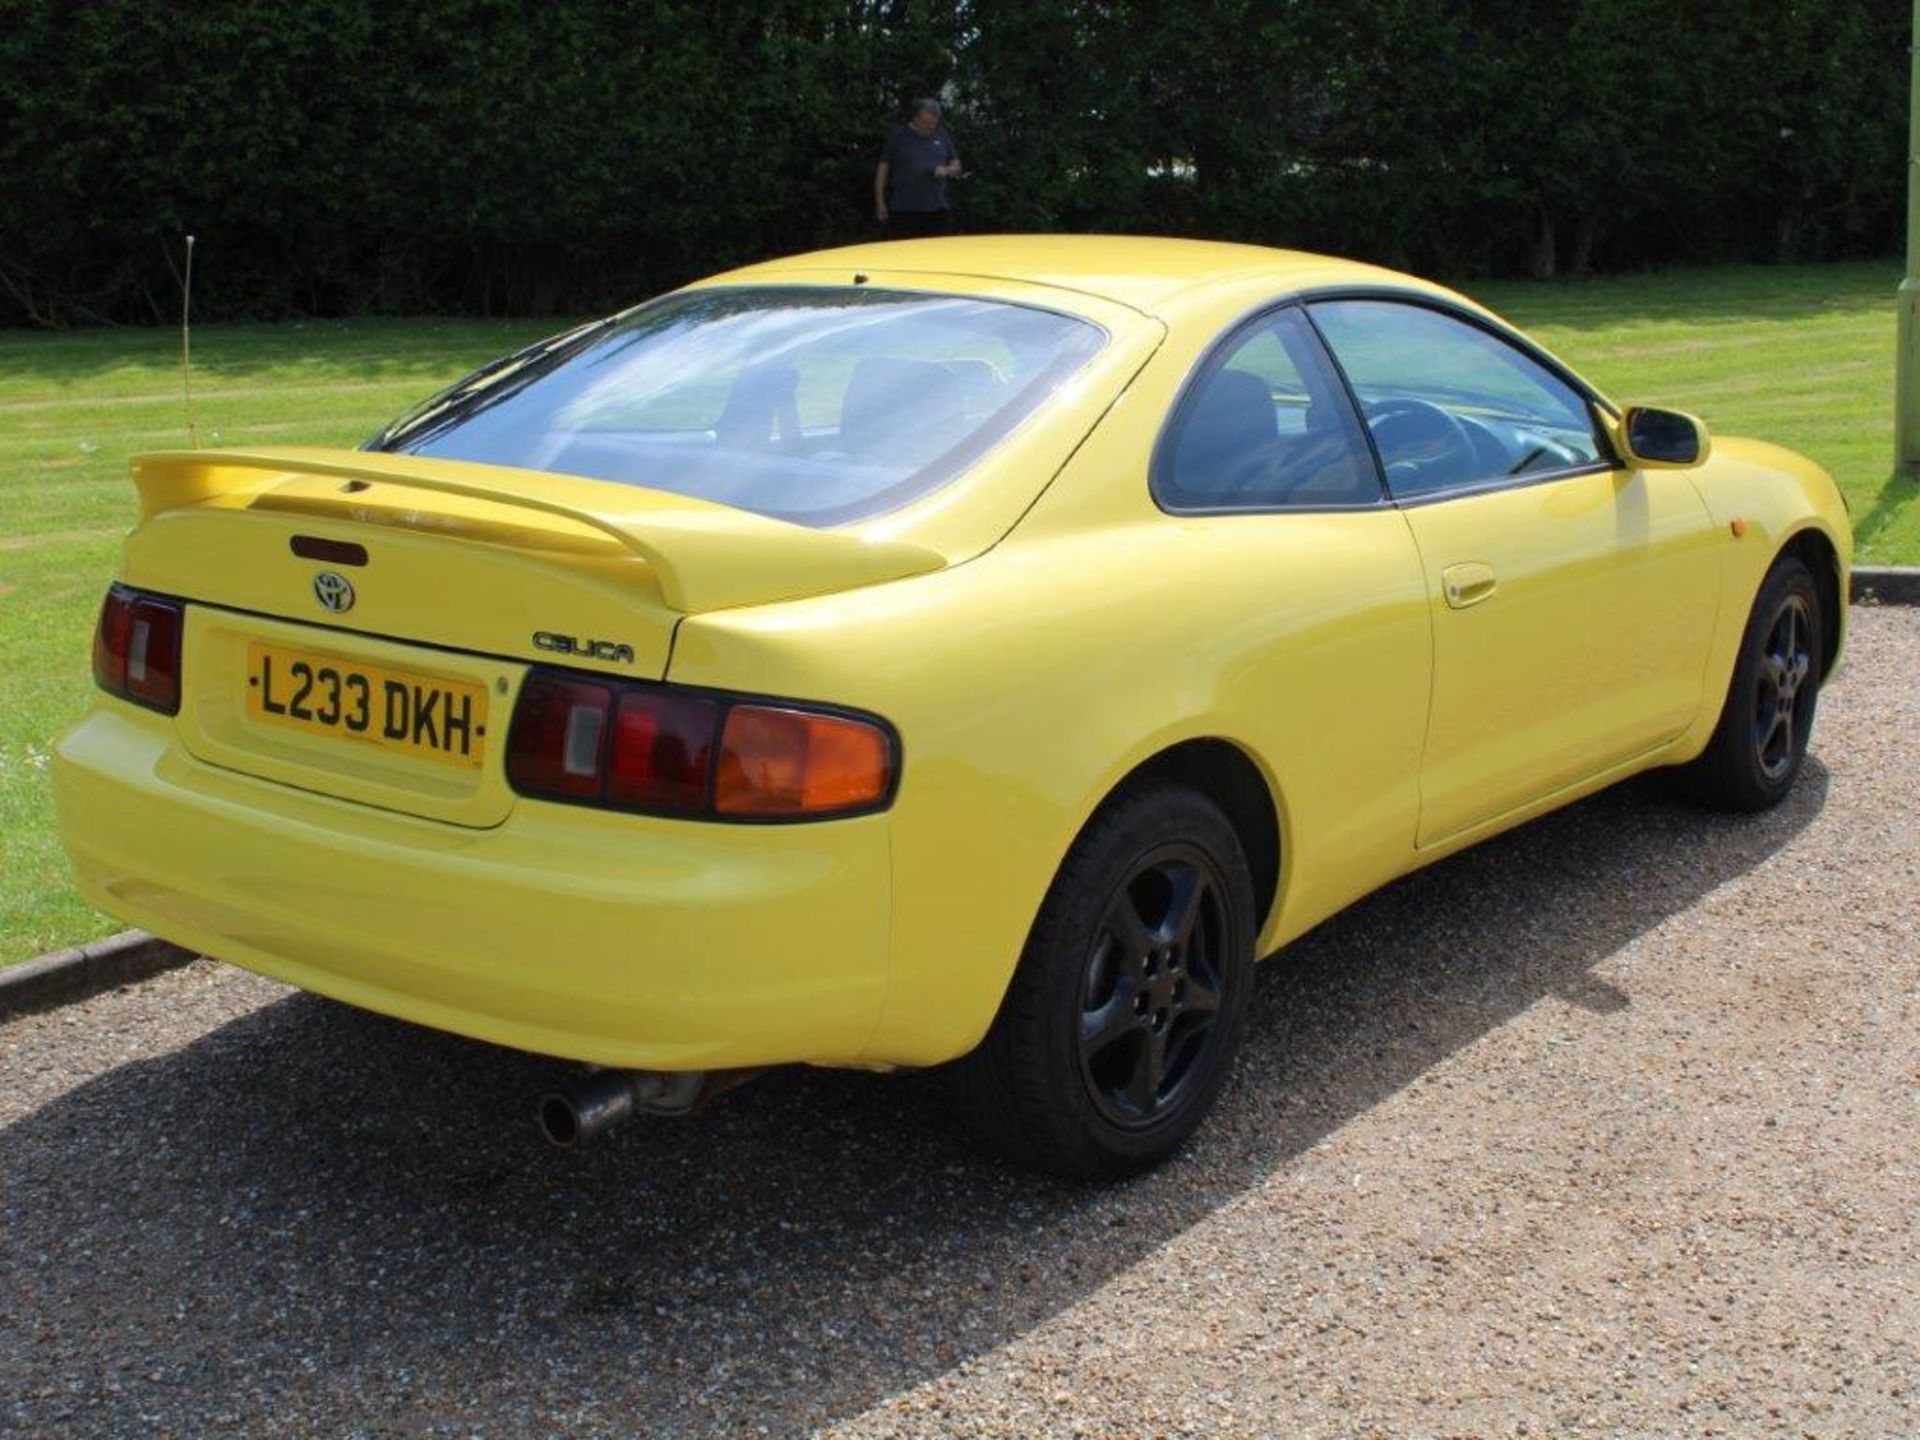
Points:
[[316, 1220]]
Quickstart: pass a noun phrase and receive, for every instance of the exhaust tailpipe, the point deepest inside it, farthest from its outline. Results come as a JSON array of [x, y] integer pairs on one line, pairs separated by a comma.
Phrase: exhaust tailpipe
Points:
[[597, 1102]]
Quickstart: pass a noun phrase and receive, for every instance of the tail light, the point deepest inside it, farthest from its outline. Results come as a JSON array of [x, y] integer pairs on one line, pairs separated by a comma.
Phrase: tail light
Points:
[[136, 649], [687, 752]]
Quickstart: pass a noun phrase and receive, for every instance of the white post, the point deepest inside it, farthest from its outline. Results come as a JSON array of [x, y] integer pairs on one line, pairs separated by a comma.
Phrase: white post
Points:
[[1906, 406]]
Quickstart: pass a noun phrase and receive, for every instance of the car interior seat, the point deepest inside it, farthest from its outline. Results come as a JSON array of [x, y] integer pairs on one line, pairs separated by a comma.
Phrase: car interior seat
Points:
[[899, 411], [1227, 438]]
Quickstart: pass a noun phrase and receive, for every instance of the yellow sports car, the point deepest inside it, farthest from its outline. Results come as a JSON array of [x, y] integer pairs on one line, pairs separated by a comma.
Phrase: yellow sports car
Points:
[[967, 650]]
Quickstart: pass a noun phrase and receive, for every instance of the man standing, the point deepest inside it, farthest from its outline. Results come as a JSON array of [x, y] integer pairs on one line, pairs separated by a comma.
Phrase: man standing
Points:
[[910, 186]]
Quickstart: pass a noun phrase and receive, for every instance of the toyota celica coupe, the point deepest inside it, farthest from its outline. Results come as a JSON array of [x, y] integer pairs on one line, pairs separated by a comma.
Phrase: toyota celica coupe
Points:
[[967, 653]]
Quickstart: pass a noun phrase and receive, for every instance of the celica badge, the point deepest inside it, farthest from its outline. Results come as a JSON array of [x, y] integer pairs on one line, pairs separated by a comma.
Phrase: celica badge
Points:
[[334, 592], [562, 644]]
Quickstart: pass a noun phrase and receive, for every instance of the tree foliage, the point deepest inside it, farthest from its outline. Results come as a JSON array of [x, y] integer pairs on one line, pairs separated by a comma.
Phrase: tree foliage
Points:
[[522, 156]]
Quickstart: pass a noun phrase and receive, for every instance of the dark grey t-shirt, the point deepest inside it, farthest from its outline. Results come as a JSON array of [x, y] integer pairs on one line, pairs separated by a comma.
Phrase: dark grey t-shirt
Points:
[[910, 158]]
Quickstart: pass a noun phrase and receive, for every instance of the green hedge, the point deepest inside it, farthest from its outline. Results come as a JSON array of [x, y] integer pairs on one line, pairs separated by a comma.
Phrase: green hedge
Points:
[[511, 156]]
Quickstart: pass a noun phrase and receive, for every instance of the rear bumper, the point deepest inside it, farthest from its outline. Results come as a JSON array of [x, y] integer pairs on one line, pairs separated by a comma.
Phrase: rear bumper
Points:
[[616, 939]]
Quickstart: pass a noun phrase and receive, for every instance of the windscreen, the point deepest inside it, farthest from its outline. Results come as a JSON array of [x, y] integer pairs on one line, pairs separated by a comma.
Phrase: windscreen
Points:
[[817, 405]]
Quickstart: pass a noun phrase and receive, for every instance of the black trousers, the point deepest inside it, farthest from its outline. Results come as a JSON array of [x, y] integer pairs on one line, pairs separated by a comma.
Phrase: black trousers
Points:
[[913, 224]]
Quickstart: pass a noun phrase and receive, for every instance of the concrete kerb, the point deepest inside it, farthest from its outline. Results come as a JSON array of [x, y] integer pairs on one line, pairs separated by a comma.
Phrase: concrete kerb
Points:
[[1886, 584], [85, 970]]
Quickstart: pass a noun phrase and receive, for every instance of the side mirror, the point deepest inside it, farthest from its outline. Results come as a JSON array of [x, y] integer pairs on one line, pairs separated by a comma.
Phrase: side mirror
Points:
[[1663, 439]]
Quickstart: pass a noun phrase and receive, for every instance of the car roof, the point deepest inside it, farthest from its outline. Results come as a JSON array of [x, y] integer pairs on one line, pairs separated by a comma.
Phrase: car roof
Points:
[[1145, 273]]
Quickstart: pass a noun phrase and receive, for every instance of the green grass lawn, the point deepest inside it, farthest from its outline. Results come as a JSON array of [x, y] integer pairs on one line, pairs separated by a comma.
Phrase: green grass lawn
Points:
[[1799, 355]]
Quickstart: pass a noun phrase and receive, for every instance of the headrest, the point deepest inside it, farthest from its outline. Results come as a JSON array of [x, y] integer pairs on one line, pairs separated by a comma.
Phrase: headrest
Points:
[[1232, 419]]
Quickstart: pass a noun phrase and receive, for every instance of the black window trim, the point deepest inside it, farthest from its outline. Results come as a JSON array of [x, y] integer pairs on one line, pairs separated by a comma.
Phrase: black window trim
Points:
[[1203, 368], [1466, 489]]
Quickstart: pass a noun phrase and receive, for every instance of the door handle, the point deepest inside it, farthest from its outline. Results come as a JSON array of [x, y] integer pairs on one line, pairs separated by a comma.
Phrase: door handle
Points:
[[1467, 583]]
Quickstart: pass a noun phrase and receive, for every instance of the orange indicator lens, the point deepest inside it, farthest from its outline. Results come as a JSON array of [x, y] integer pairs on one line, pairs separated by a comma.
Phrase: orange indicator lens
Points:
[[775, 761]]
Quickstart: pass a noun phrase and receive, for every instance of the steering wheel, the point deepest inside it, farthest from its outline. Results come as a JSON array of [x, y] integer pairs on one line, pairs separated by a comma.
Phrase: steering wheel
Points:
[[1419, 434]]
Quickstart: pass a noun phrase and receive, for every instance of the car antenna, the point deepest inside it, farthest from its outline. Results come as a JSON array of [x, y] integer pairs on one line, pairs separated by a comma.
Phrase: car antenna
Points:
[[186, 346]]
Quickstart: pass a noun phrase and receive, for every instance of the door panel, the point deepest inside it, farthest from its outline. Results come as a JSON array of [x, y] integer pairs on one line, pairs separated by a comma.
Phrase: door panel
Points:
[[1572, 601], [1588, 647]]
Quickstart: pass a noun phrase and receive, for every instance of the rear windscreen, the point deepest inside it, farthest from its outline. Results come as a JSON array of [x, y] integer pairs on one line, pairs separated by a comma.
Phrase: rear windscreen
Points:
[[818, 405]]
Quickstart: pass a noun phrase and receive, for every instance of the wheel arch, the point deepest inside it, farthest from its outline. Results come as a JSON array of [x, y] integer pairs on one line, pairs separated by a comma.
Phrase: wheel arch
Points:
[[1814, 549], [1227, 775]]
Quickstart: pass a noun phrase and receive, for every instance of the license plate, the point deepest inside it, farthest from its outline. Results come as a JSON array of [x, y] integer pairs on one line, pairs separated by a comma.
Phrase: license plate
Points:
[[425, 715]]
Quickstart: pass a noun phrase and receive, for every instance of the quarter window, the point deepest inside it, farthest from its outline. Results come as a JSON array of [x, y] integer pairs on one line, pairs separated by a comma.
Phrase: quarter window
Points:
[[1266, 427], [1451, 405]]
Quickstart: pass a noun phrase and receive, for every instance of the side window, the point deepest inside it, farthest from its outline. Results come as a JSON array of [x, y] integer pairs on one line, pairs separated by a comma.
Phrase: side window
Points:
[[1266, 426], [1450, 404]]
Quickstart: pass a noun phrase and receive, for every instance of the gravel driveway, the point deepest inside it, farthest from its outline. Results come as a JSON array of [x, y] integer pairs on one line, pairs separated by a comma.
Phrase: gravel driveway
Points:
[[1611, 1126]]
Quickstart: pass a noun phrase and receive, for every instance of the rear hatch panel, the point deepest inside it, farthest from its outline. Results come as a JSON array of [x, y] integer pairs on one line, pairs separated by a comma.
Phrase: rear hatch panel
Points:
[[358, 625], [418, 728]]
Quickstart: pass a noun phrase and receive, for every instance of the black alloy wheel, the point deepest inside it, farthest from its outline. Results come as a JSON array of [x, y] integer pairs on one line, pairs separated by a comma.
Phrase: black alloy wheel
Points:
[[1150, 997], [1124, 1014], [1767, 718], [1786, 661]]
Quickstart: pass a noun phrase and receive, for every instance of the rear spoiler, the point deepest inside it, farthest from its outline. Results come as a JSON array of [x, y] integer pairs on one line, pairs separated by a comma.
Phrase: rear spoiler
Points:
[[704, 556]]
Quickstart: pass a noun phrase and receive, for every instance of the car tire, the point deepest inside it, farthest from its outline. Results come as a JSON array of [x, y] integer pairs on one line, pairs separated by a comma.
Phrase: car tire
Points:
[[1757, 748], [1125, 1012]]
